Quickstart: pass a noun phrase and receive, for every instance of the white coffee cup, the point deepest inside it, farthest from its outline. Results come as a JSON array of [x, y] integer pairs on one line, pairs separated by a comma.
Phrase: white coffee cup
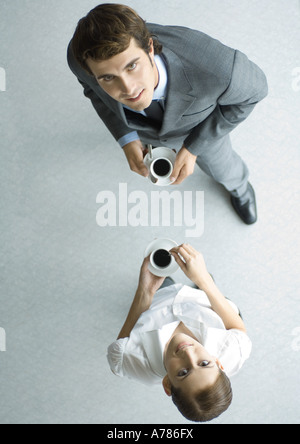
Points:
[[161, 259], [161, 168]]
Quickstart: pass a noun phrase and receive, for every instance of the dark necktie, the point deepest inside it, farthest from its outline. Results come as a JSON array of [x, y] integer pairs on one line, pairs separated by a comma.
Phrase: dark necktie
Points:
[[155, 111]]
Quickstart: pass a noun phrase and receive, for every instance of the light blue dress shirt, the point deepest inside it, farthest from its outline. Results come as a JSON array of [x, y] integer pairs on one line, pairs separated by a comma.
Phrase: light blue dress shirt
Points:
[[159, 94]]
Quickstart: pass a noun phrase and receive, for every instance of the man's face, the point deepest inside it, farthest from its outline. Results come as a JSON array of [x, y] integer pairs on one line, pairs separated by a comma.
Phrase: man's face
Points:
[[129, 77]]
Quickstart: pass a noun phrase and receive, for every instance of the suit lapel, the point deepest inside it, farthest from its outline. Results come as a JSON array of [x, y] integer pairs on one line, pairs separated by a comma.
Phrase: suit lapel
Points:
[[179, 97]]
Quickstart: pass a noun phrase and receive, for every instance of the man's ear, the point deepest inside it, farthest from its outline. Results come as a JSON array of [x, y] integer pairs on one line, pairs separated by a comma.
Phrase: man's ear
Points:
[[167, 386], [151, 47]]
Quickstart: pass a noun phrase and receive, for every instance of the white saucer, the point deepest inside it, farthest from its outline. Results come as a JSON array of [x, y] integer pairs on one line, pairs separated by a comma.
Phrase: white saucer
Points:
[[157, 153], [164, 244]]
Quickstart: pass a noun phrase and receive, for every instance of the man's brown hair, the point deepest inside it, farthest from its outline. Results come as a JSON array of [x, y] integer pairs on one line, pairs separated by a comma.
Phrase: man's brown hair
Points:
[[207, 404], [107, 31]]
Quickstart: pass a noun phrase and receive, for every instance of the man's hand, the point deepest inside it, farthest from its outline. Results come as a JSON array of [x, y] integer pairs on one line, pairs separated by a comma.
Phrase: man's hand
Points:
[[184, 166], [135, 153]]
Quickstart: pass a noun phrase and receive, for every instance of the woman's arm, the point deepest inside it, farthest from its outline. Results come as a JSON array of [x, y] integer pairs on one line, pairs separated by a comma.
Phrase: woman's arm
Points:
[[140, 304], [148, 286], [193, 265], [222, 307]]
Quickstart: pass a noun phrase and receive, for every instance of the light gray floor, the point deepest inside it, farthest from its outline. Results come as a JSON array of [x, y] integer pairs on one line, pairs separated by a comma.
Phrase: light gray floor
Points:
[[66, 284]]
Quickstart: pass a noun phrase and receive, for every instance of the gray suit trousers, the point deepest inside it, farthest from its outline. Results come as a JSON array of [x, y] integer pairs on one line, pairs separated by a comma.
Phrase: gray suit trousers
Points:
[[225, 166]]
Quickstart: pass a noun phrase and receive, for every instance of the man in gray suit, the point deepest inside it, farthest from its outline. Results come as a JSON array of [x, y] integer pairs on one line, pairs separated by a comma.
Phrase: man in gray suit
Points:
[[169, 86]]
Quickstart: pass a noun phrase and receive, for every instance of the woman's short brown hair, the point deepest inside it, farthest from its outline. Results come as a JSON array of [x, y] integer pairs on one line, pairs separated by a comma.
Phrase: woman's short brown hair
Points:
[[206, 405], [107, 31]]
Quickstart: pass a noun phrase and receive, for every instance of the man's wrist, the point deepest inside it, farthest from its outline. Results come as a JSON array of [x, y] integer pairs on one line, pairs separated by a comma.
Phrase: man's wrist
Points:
[[188, 151], [128, 138], [135, 144]]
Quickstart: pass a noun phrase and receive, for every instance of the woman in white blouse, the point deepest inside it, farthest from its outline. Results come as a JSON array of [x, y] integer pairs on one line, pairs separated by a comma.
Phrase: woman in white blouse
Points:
[[190, 340]]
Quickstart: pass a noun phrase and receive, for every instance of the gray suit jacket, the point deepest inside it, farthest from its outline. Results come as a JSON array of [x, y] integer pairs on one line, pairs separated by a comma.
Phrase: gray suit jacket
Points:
[[211, 89]]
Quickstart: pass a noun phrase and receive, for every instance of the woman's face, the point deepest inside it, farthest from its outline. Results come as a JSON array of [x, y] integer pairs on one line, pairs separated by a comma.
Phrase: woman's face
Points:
[[189, 366]]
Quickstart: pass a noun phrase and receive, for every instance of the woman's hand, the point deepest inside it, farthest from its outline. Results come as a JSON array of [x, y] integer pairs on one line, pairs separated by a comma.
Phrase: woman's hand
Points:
[[148, 283], [192, 264]]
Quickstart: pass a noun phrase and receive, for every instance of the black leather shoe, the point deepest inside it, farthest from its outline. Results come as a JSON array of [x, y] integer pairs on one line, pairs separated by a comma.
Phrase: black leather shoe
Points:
[[245, 206]]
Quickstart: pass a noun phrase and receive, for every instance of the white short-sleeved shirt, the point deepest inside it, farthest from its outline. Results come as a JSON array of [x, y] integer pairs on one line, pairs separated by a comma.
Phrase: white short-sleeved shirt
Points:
[[140, 356]]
